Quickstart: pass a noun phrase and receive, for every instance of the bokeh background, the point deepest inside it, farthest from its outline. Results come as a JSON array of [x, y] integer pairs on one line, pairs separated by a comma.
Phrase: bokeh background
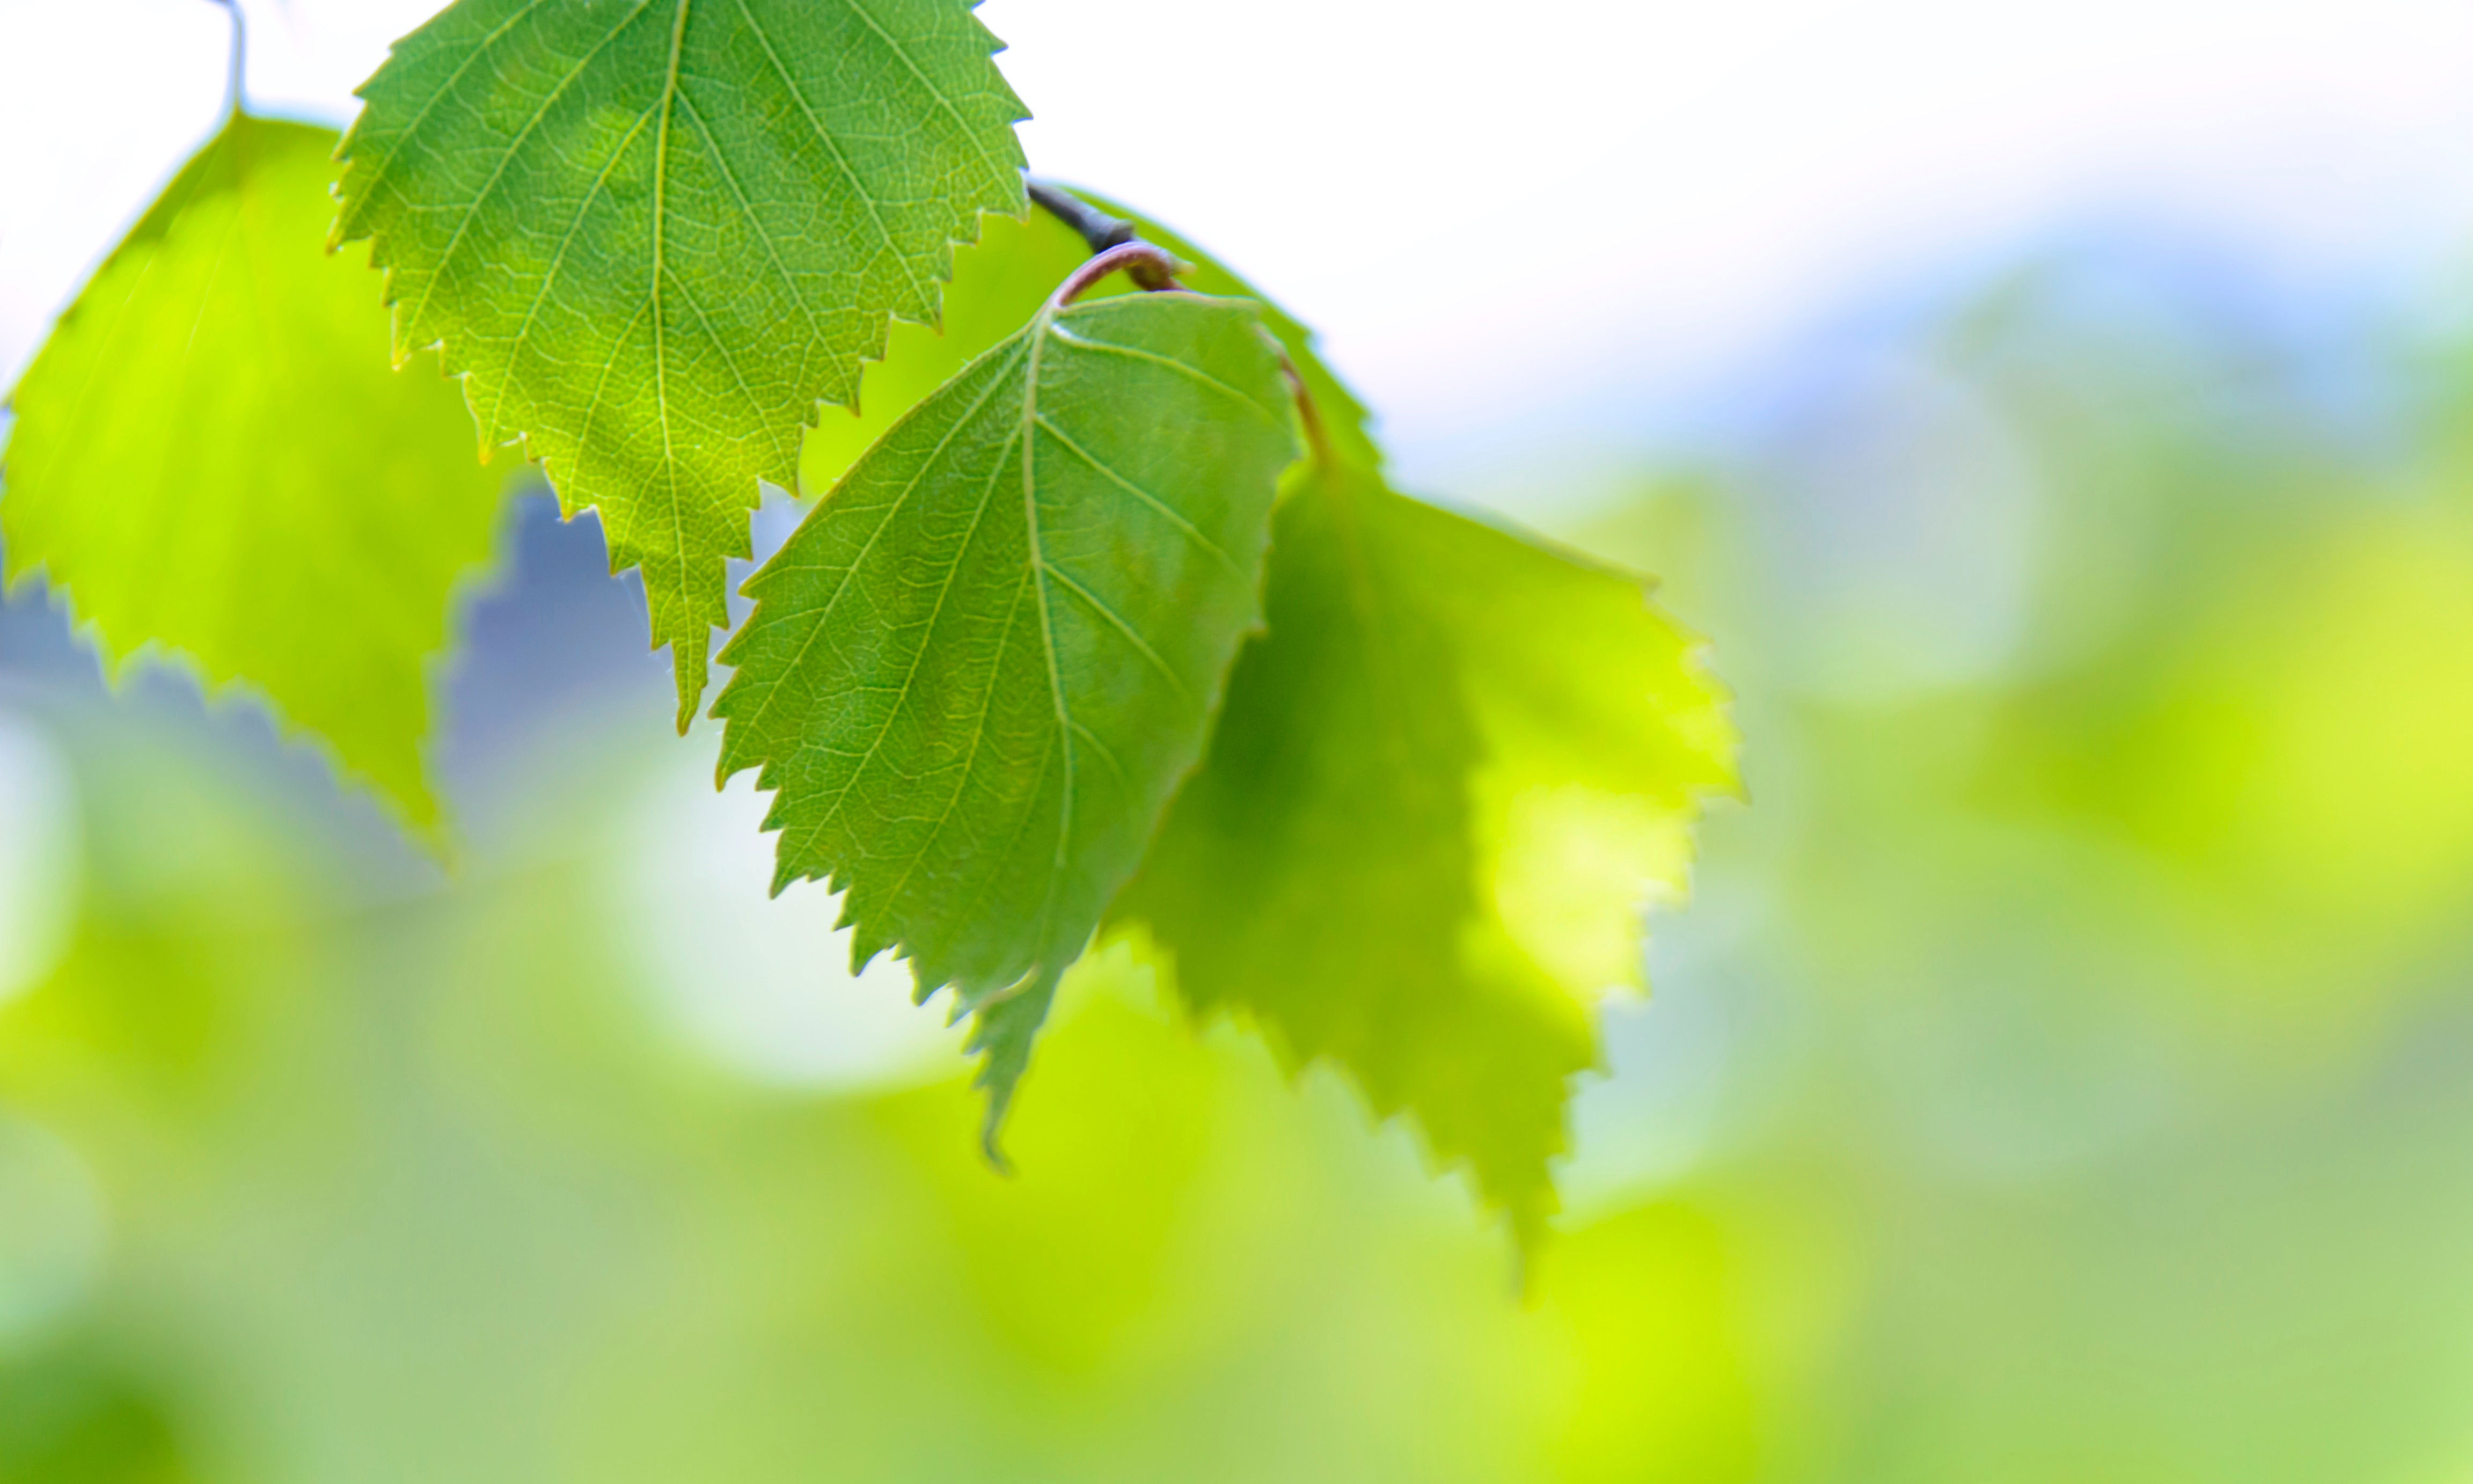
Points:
[[2061, 420]]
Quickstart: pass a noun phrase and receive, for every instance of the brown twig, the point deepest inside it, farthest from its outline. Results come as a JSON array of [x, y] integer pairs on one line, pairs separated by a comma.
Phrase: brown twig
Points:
[[1103, 233]]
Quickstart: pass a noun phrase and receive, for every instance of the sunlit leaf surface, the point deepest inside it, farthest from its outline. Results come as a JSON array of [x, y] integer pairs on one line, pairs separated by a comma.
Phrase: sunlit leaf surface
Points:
[[653, 236]]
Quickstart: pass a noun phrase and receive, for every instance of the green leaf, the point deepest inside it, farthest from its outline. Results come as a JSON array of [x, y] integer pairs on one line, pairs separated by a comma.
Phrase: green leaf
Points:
[[977, 672], [653, 236], [997, 286], [1441, 790], [211, 455]]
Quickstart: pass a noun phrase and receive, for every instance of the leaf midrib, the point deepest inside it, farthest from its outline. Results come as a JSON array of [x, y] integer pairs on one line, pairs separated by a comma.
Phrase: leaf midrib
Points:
[[1193, 373], [1037, 554], [661, 337]]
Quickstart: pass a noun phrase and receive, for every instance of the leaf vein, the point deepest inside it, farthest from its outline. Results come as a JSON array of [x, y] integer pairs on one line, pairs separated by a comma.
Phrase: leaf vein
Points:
[[1192, 532], [1132, 637], [507, 157], [995, 169], [746, 209], [1170, 363], [833, 147], [549, 277], [892, 508]]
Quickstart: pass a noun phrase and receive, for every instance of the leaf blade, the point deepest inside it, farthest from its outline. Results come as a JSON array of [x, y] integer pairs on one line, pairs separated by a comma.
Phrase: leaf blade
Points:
[[608, 215], [973, 677]]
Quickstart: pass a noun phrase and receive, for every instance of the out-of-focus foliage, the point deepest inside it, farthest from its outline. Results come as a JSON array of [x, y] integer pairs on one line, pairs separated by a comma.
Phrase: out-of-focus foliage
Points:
[[2111, 878], [69, 1419], [1431, 883], [211, 456], [651, 237], [973, 676], [422, 1187]]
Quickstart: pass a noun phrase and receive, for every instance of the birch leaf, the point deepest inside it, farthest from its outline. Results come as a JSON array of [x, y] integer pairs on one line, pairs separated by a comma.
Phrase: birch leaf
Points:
[[973, 676]]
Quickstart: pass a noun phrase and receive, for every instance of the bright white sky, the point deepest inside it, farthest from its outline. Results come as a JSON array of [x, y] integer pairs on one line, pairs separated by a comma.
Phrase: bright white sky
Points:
[[1519, 227]]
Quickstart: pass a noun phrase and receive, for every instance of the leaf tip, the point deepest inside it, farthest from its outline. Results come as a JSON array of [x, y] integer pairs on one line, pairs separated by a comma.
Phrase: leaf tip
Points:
[[992, 1136], [689, 667]]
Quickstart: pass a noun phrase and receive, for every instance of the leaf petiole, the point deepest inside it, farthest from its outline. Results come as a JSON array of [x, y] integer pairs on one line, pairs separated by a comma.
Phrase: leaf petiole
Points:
[[1140, 261]]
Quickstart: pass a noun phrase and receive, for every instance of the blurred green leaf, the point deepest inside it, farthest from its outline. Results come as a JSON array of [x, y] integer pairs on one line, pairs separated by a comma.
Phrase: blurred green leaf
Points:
[[1440, 791], [211, 455], [976, 674], [68, 1419], [1663, 1391], [653, 237]]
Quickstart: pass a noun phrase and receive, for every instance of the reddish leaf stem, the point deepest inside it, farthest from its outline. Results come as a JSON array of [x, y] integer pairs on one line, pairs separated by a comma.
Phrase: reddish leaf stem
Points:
[[1127, 255]]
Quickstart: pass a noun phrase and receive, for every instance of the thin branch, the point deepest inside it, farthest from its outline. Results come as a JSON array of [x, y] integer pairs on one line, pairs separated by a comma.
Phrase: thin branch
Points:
[[1097, 227], [1103, 232]]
